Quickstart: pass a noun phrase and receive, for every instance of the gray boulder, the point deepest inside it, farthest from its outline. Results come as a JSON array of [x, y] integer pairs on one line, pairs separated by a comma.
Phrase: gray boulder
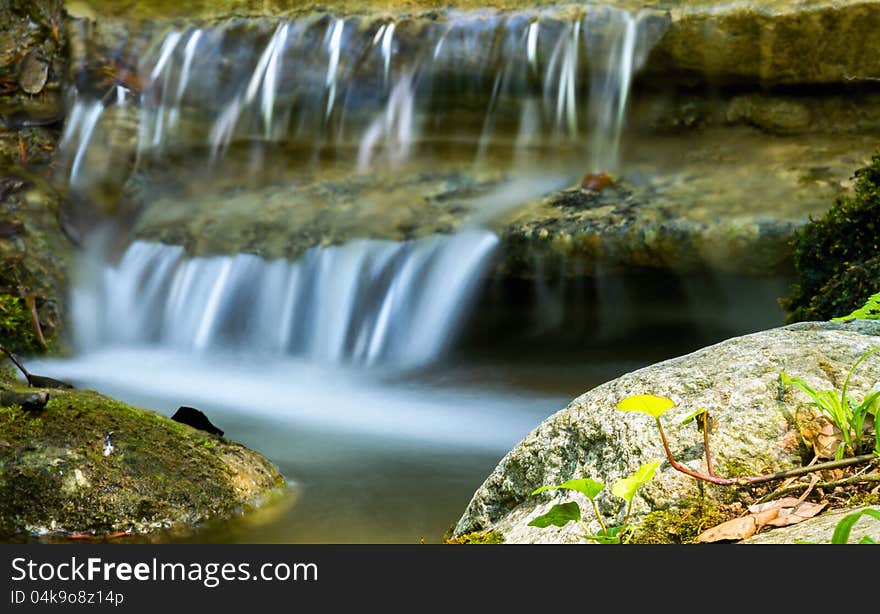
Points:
[[737, 380]]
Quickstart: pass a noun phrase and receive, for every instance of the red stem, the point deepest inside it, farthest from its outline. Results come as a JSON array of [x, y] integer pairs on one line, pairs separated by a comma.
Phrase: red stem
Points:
[[759, 478]]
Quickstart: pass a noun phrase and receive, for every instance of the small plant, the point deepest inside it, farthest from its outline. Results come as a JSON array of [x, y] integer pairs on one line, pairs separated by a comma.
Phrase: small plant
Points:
[[655, 407], [846, 413], [625, 488]]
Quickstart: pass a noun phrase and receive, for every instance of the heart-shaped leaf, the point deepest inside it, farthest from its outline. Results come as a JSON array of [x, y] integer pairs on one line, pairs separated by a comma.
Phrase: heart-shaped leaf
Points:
[[626, 488], [647, 404], [589, 488], [559, 515]]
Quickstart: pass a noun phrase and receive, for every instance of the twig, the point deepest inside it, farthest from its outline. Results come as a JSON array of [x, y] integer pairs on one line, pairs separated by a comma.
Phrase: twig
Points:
[[31, 302], [18, 364], [853, 479], [758, 479], [705, 418]]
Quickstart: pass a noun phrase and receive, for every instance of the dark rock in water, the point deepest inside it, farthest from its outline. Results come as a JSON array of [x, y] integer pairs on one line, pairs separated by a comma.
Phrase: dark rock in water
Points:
[[196, 419], [29, 401]]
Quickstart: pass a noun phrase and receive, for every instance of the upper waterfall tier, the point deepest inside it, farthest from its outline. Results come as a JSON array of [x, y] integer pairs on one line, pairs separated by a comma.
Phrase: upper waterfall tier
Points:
[[774, 42]]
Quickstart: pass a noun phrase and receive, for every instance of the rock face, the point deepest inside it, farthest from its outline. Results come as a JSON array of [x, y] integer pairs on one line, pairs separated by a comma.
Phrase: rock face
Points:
[[88, 464], [819, 530], [737, 380], [33, 246]]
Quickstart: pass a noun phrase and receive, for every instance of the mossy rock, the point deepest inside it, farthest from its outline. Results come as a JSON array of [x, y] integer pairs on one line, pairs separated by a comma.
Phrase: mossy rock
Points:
[[836, 255], [56, 479], [679, 525]]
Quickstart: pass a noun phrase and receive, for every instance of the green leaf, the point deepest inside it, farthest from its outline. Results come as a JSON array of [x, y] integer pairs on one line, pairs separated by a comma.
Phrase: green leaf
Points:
[[787, 380], [589, 488], [868, 404], [694, 416], [844, 527], [647, 404], [626, 488], [559, 515]]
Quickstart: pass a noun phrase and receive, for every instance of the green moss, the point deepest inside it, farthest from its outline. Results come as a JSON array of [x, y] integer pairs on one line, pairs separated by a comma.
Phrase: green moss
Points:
[[16, 326], [679, 525], [477, 537], [861, 499], [835, 256], [54, 475]]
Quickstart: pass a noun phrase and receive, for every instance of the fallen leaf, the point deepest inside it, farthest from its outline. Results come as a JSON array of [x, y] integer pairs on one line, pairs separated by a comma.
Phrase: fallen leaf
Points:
[[778, 503], [794, 515], [766, 517], [827, 440], [732, 530], [740, 528]]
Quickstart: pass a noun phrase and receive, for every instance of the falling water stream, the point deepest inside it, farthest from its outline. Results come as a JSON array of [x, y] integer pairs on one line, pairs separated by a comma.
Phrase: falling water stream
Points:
[[339, 363]]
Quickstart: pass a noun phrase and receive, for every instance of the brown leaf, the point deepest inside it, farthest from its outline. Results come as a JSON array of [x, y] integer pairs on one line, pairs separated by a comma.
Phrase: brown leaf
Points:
[[827, 440], [732, 530], [778, 503], [766, 517], [794, 515]]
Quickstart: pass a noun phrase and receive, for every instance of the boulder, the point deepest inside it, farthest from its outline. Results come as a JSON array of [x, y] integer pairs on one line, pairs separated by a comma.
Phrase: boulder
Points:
[[737, 380], [87, 465]]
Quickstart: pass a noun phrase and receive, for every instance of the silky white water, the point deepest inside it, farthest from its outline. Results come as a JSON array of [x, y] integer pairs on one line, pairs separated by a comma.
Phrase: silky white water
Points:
[[339, 365]]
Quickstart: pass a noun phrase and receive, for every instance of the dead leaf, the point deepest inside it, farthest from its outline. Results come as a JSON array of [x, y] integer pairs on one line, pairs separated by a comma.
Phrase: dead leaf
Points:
[[779, 513], [732, 530], [794, 515], [766, 517], [778, 503], [827, 440]]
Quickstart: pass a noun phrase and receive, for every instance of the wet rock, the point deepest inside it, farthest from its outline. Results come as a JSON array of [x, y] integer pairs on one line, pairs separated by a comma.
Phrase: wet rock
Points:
[[57, 479], [737, 380], [28, 401], [33, 72]]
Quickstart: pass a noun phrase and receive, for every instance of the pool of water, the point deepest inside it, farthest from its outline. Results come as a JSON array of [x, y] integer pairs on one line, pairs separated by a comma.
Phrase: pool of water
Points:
[[370, 456]]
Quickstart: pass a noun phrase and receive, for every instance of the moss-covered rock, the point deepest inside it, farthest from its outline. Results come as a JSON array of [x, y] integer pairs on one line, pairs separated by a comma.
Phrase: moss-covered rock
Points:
[[34, 250], [57, 476], [836, 255]]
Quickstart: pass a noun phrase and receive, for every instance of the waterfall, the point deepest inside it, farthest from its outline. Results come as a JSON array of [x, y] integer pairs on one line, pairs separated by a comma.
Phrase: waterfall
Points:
[[365, 302], [380, 87], [384, 85]]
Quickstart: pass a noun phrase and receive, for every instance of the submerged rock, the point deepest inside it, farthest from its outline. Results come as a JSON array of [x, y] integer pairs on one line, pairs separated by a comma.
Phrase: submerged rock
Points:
[[737, 380], [62, 474]]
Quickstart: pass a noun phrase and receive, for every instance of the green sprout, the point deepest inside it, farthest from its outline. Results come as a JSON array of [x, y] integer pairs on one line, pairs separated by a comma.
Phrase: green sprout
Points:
[[625, 488], [846, 413]]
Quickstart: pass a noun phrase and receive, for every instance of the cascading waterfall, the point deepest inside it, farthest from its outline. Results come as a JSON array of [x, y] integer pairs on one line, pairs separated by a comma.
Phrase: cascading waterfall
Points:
[[382, 87], [386, 85], [365, 302]]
